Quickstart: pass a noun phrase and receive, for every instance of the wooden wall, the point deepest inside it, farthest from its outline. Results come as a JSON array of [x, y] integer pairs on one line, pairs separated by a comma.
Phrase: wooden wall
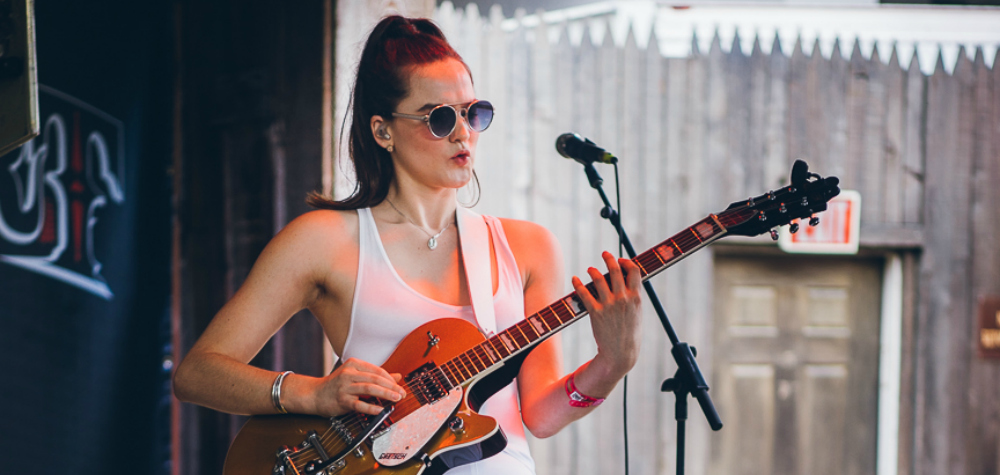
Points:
[[248, 122], [697, 133]]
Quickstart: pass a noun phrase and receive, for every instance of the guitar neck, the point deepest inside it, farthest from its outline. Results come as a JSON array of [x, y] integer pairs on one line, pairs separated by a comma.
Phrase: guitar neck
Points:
[[552, 319]]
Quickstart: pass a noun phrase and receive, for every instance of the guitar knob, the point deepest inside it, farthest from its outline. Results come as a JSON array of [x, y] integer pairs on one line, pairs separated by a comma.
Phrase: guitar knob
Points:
[[793, 228], [774, 234], [813, 221], [457, 425]]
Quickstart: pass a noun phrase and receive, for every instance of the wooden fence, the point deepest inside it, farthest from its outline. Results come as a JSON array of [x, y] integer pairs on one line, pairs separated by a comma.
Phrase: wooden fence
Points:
[[697, 133]]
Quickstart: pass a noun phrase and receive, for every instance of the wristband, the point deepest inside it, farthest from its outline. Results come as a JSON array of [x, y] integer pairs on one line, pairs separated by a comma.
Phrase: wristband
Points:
[[577, 399], [276, 392]]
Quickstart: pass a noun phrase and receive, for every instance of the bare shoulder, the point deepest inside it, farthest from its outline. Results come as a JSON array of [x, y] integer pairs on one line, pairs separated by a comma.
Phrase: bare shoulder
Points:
[[535, 249], [528, 236], [324, 223], [313, 239]]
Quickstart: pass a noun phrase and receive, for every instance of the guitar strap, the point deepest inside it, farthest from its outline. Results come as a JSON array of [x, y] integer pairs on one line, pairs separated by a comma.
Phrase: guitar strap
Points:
[[474, 242]]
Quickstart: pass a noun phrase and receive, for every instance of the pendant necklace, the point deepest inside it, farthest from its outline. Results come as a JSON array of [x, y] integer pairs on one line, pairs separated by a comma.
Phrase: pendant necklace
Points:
[[432, 243]]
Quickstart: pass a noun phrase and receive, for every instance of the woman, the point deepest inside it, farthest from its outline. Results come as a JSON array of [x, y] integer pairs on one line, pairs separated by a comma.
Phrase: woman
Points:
[[373, 267]]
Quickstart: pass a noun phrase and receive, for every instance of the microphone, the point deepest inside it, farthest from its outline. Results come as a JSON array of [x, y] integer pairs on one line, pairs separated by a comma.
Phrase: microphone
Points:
[[573, 146]]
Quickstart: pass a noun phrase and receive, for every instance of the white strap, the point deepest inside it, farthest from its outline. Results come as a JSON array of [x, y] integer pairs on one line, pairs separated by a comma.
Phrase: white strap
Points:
[[474, 241]]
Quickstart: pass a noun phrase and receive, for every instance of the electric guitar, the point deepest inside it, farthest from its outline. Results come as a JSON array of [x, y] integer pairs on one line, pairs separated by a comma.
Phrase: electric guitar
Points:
[[450, 369]]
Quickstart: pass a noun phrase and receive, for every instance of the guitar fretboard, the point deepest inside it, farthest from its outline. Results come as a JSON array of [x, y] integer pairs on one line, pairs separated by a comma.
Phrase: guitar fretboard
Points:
[[569, 309]]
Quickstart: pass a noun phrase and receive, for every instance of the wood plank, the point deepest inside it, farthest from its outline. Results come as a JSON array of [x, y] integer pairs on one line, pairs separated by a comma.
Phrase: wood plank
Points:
[[695, 278], [541, 133], [914, 86], [737, 157], [872, 166], [608, 455], [858, 100], [802, 79], [519, 128], [756, 146], [892, 137], [583, 347], [777, 114], [962, 300], [983, 416], [944, 290], [673, 179], [655, 342], [714, 175], [835, 154]]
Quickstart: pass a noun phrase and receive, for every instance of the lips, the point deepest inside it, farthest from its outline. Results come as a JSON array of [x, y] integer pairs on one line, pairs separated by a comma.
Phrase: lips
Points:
[[462, 156]]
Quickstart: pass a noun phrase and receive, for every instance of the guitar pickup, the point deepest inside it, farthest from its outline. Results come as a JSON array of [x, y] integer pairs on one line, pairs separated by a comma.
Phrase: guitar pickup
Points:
[[427, 383]]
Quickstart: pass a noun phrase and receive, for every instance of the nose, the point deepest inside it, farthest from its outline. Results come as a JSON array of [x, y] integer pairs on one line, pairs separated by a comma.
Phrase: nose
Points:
[[462, 129]]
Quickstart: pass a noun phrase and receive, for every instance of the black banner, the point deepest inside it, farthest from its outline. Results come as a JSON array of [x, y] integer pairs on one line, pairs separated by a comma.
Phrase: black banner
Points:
[[85, 248]]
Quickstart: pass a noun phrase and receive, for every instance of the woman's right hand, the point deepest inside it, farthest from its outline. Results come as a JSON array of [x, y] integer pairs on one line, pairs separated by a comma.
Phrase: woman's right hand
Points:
[[351, 387]]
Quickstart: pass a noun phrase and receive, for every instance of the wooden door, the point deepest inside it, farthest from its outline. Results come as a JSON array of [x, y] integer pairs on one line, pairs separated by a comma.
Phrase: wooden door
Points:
[[796, 364]]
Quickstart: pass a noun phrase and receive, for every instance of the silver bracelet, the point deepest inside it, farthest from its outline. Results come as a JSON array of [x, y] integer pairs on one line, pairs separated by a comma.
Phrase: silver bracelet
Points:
[[276, 392]]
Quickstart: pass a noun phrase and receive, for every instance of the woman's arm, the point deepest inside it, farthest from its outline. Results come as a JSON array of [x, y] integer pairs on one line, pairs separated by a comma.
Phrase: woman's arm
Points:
[[615, 318], [288, 276]]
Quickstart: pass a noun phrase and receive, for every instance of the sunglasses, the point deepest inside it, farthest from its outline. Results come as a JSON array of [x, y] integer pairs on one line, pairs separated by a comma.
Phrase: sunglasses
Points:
[[442, 119]]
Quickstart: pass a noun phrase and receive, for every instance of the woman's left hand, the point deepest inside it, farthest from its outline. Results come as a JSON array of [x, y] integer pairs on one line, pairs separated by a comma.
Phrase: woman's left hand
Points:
[[615, 313]]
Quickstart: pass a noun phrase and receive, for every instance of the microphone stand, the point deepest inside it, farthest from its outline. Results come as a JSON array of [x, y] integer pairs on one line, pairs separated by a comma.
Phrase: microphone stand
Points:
[[688, 378]]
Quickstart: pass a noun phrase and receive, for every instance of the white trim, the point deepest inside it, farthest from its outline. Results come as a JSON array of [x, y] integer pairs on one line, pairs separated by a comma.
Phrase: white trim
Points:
[[890, 358]]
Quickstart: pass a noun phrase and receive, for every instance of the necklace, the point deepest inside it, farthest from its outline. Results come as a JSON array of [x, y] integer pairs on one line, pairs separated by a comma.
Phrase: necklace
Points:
[[432, 243]]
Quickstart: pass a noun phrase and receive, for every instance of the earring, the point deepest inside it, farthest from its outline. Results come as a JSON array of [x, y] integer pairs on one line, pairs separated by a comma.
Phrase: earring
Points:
[[389, 148]]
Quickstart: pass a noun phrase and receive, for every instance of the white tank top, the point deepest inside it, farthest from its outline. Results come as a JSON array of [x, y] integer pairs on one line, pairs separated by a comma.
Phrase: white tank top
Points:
[[386, 309]]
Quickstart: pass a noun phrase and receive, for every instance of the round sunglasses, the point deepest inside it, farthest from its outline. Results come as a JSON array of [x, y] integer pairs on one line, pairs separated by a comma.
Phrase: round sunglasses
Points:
[[442, 119]]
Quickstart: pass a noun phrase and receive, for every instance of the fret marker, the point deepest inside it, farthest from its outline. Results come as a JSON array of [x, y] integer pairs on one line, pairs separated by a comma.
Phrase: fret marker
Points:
[[489, 351], [575, 305], [704, 230], [507, 342], [536, 322], [666, 252]]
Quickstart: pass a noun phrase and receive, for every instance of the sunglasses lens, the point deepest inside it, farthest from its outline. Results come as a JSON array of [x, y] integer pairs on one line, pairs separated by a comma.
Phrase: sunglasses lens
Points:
[[442, 121], [480, 115]]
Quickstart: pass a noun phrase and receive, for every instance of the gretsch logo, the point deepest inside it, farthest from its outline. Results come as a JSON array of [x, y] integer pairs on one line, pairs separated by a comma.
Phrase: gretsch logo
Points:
[[392, 456], [53, 191]]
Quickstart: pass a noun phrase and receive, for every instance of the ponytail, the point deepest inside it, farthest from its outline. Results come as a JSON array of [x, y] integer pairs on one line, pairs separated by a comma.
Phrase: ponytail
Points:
[[392, 49]]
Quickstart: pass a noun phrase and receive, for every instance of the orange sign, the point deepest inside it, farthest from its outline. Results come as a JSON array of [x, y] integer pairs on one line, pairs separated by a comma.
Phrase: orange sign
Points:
[[989, 327], [837, 231]]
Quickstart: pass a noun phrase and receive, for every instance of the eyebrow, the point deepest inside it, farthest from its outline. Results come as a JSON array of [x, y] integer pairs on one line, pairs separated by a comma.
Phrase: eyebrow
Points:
[[429, 106]]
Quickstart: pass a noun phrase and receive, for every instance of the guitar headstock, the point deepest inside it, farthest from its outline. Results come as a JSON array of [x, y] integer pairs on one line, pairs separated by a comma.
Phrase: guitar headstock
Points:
[[807, 195]]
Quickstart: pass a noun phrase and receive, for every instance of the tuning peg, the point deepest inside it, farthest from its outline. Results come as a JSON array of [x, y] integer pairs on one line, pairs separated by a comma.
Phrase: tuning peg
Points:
[[813, 221], [774, 234], [793, 228]]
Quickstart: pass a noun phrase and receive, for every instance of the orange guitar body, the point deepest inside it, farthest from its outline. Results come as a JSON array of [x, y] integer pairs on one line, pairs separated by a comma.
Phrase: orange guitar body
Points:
[[253, 451]]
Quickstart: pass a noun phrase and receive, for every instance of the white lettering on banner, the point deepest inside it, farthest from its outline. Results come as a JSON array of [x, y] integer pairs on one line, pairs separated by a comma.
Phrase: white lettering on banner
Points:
[[55, 188]]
